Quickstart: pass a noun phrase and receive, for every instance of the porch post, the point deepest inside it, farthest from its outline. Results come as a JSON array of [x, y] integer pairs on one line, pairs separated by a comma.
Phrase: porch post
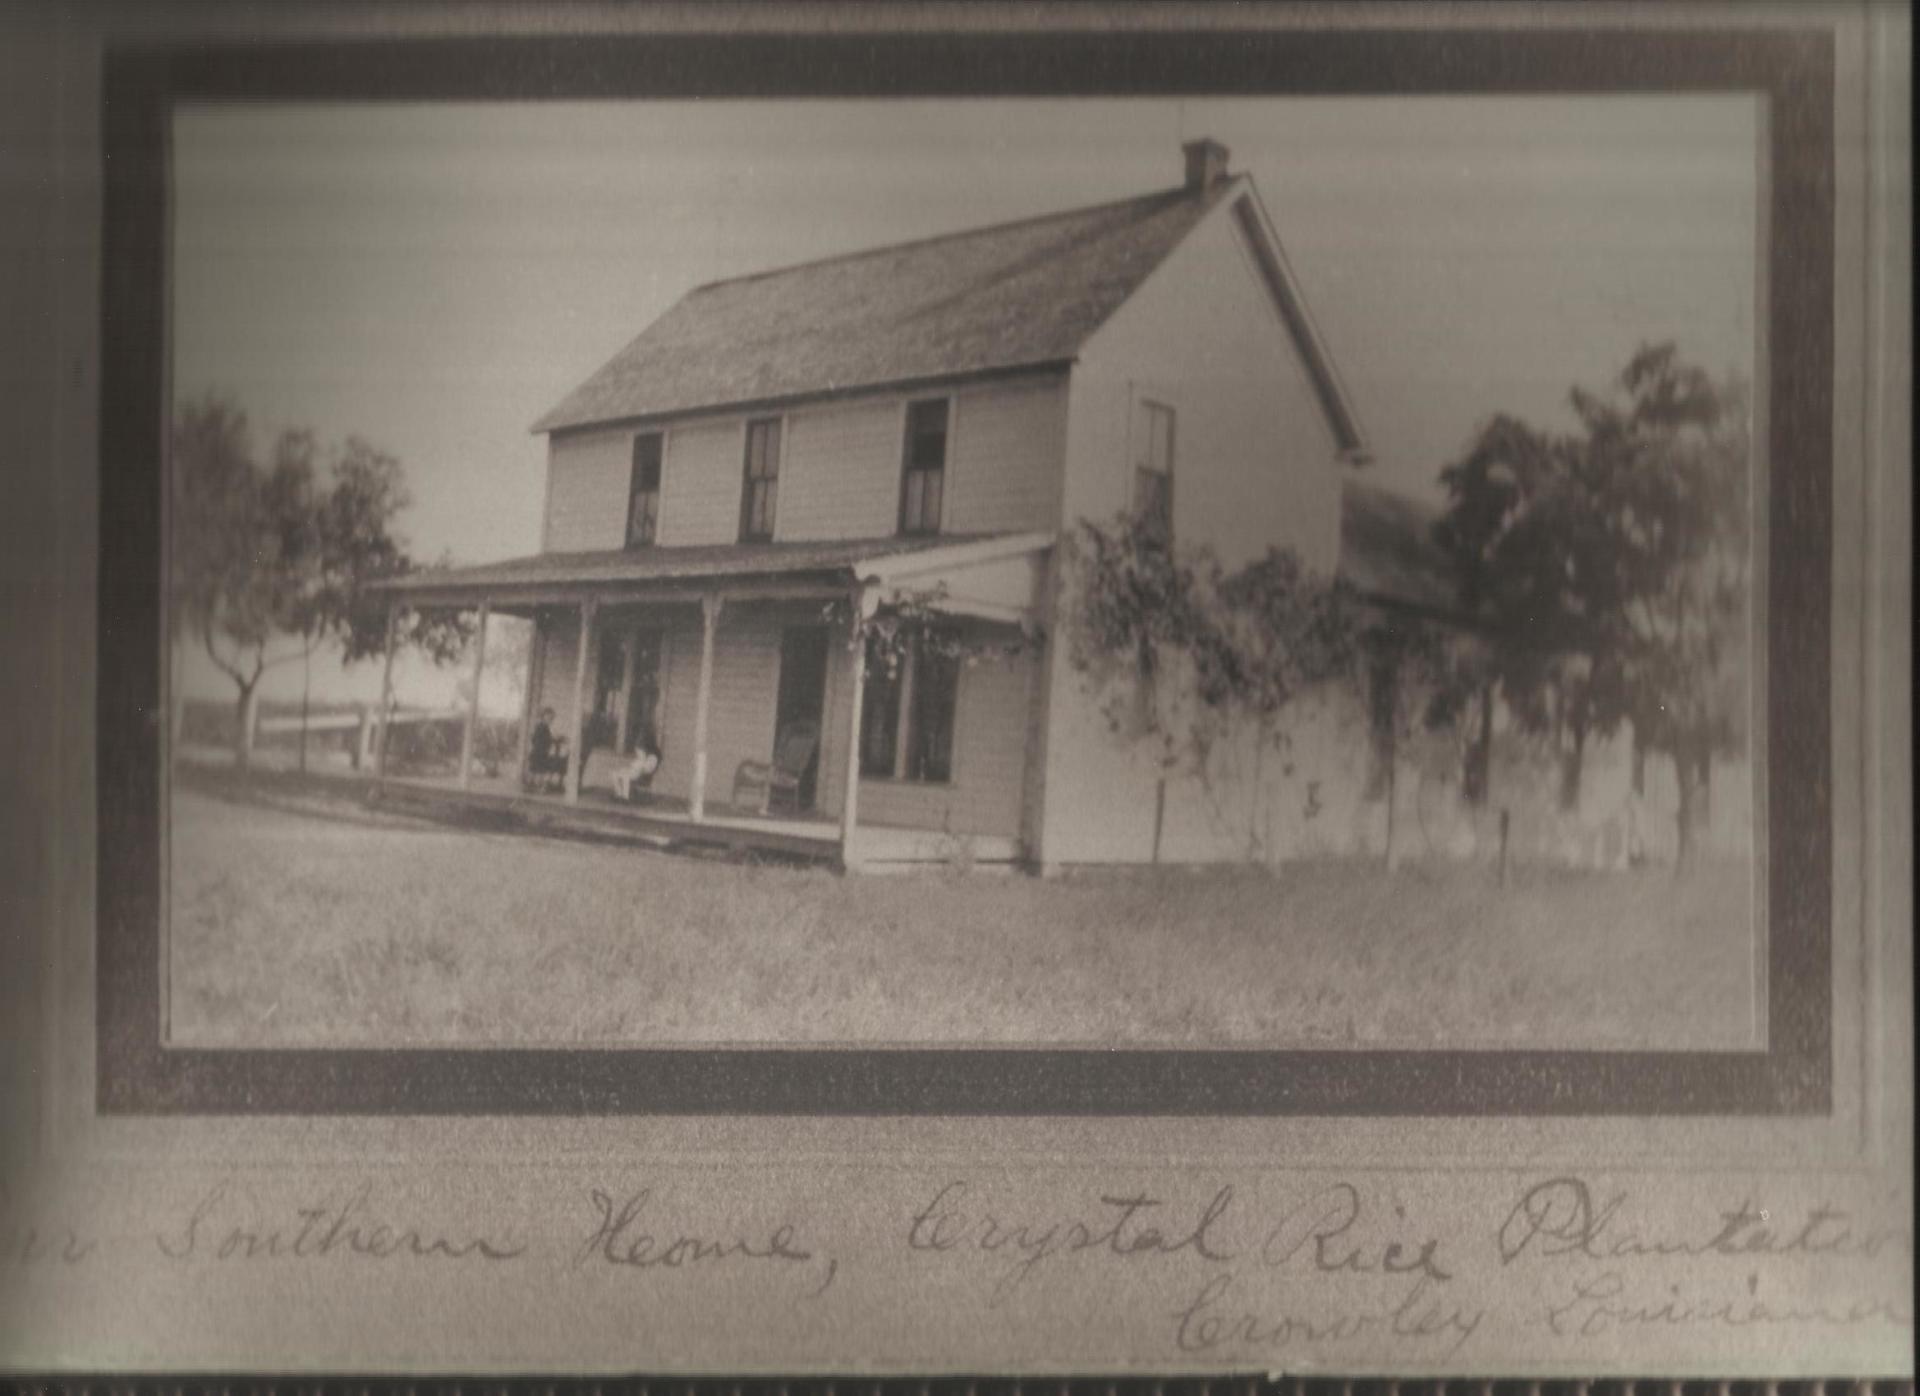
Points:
[[856, 689], [536, 643], [575, 756], [386, 694], [626, 689], [473, 708], [710, 605]]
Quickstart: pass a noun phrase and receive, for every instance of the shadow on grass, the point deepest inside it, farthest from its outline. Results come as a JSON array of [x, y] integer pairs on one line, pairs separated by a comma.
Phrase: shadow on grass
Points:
[[334, 798]]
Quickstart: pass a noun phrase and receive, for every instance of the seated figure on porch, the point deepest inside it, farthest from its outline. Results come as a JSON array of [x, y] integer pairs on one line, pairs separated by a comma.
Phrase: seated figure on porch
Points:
[[636, 774], [546, 754], [765, 784]]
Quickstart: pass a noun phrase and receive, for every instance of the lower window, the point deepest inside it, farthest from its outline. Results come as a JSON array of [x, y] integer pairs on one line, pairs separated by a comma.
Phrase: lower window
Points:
[[907, 709]]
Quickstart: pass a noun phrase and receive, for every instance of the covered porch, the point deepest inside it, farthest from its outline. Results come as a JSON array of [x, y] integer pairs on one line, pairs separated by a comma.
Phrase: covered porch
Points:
[[745, 677]]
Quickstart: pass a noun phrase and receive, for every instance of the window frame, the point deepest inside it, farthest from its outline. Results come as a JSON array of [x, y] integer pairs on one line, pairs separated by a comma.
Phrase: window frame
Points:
[[770, 480], [1144, 408], [906, 695], [908, 469], [652, 537]]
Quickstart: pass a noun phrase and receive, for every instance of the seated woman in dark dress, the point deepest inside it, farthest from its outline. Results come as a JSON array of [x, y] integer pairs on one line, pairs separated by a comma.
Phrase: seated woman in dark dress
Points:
[[546, 753]]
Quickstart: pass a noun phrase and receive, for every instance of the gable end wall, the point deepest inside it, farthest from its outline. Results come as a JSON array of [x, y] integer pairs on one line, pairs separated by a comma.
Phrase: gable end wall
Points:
[[1255, 464]]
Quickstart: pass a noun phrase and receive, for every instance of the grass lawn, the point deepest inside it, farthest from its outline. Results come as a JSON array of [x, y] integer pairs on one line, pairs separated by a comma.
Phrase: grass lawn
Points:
[[307, 919]]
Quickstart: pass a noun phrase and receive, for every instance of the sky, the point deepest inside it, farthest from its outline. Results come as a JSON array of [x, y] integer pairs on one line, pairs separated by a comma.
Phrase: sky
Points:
[[434, 276]]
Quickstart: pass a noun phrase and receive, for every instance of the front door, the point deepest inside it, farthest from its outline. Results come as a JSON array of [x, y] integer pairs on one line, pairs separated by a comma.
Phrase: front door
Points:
[[802, 695], [626, 692]]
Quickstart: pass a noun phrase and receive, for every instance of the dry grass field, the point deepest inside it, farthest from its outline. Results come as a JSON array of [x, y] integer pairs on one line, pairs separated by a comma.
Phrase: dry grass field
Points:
[[300, 917]]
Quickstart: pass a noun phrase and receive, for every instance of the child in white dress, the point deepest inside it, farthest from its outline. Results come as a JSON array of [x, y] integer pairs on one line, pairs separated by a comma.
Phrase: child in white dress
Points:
[[643, 764]]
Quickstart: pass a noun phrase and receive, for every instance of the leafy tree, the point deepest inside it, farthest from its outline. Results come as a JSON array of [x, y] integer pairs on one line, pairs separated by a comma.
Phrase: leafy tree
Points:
[[1534, 580], [1411, 676], [1606, 572], [266, 564], [1667, 466], [242, 561]]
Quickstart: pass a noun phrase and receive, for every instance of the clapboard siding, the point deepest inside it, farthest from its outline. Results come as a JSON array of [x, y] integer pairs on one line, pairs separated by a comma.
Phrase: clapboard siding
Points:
[[746, 676], [1004, 458], [740, 714], [839, 471], [587, 480], [700, 483], [560, 641], [679, 690], [841, 474]]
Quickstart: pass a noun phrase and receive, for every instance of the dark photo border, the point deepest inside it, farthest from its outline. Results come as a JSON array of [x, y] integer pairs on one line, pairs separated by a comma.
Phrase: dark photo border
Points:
[[1793, 69]]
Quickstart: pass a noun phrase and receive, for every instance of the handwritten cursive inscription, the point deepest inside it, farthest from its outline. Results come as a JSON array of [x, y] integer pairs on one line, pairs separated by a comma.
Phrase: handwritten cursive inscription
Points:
[[1604, 1304], [1561, 1217], [1219, 1321], [1128, 1226], [620, 1237], [1326, 1232], [225, 1225]]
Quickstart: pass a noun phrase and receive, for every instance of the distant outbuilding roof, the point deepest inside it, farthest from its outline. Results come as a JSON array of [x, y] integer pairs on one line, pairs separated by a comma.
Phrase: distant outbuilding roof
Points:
[[1015, 295], [1388, 551]]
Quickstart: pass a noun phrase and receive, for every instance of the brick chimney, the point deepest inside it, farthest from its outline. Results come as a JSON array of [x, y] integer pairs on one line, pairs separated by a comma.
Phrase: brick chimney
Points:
[[1206, 164]]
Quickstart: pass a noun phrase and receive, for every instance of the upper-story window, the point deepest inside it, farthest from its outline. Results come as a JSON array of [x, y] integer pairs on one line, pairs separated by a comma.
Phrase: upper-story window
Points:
[[924, 470], [643, 490], [1152, 439], [762, 488]]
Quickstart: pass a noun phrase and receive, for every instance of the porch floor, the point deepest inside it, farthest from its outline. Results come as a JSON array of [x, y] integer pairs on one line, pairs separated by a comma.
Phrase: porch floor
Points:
[[666, 822]]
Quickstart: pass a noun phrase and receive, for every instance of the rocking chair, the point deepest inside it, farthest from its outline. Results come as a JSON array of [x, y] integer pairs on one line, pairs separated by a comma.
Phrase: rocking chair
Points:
[[763, 784]]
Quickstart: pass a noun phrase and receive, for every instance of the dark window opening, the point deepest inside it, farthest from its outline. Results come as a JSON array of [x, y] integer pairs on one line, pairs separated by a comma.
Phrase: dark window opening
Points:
[[907, 713], [936, 684], [1152, 439], [880, 711], [643, 492], [924, 470], [762, 487]]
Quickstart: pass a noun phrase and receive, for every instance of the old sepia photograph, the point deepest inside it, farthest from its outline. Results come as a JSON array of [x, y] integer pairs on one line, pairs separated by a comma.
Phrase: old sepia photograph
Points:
[[811, 696], [1148, 572]]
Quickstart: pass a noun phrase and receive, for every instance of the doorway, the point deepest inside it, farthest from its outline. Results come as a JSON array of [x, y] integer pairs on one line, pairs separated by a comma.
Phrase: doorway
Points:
[[626, 694], [802, 696]]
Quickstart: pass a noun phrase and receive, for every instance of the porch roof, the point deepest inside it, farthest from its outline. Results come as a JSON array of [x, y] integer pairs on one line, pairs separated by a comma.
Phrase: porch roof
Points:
[[685, 569]]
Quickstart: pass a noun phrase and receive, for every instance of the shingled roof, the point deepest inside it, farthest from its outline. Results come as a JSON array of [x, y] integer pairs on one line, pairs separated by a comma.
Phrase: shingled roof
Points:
[[700, 562], [1388, 551], [1015, 295]]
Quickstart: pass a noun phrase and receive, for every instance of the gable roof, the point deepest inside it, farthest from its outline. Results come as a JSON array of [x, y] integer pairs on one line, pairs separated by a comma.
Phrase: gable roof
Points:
[[1015, 295]]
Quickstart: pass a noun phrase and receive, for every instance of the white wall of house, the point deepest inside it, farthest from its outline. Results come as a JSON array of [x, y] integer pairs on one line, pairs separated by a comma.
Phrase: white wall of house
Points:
[[839, 472], [740, 712], [1255, 465], [556, 646], [700, 480], [587, 477]]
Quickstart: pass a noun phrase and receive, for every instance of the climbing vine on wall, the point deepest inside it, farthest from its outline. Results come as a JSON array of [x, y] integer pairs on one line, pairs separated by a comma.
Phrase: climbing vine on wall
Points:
[[914, 620], [1186, 652]]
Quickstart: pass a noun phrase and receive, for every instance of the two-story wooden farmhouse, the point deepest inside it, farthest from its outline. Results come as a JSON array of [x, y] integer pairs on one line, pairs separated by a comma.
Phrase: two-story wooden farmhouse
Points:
[[780, 454]]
